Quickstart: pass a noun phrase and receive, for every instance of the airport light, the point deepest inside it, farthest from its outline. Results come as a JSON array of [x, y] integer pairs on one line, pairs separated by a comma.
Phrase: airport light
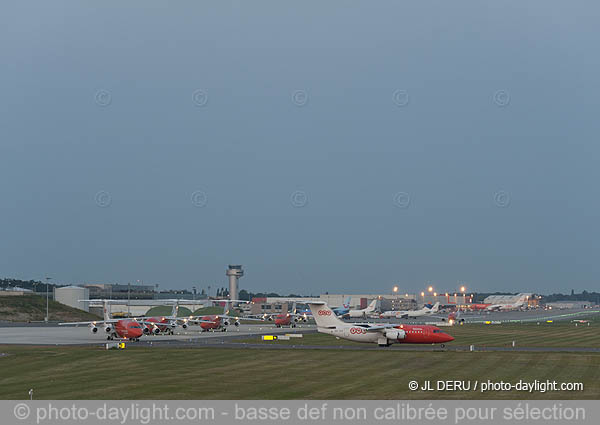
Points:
[[435, 294], [47, 296], [463, 289], [422, 294], [395, 289], [430, 289]]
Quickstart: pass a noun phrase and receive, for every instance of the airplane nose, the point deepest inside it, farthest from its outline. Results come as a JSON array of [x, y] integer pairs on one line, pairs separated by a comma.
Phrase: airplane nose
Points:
[[448, 338]]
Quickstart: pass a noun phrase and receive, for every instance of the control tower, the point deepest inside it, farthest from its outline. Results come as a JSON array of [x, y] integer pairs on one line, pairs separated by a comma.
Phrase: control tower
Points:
[[234, 273]]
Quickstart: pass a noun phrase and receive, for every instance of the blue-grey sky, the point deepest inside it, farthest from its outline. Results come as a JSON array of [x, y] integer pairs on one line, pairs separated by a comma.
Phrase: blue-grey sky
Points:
[[326, 146]]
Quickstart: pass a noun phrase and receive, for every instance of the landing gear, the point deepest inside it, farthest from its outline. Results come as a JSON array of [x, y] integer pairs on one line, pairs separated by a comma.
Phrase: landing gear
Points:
[[442, 345], [224, 330], [277, 326], [293, 325]]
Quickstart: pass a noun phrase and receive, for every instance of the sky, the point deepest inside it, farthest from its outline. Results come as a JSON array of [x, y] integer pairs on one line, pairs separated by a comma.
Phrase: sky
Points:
[[330, 146]]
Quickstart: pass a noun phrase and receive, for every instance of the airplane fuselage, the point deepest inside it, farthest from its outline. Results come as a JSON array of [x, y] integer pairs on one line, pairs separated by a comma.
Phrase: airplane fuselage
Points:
[[128, 328], [408, 334]]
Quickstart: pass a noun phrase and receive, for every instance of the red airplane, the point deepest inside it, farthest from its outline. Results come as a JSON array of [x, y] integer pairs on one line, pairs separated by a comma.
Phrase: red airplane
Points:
[[384, 334], [285, 319], [479, 306], [165, 324], [130, 329], [289, 319], [215, 322]]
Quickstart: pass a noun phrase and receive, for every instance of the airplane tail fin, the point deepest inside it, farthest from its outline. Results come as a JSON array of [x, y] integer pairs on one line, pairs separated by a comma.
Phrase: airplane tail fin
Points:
[[435, 307], [323, 315], [175, 310], [106, 311], [347, 303], [372, 306]]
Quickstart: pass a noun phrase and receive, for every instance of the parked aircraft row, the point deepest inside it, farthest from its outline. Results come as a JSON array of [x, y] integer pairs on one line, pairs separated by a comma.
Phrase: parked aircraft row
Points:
[[133, 328], [411, 314]]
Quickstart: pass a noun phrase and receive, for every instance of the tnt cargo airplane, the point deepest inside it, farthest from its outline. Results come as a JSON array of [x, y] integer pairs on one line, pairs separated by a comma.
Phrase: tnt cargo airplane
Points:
[[130, 329], [290, 319], [364, 312], [383, 334], [167, 324], [215, 322], [410, 314]]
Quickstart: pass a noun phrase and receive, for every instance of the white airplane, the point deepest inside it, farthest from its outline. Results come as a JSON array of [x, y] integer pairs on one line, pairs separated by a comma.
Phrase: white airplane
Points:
[[510, 306], [384, 334], [408, 314], [364, 312]]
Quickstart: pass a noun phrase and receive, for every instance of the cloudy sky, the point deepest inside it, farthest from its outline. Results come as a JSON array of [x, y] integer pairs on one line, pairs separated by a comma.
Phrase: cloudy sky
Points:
[[326, 146]]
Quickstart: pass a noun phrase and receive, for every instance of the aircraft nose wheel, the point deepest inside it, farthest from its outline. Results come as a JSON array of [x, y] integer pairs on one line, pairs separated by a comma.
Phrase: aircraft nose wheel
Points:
[[443, 345]]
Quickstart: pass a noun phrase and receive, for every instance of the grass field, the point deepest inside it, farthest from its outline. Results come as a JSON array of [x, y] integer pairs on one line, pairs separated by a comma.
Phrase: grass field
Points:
[[33, 308], [82, 373], [165, 310]]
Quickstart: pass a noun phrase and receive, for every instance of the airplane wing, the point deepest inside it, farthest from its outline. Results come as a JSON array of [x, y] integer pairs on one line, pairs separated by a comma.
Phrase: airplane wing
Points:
[[371, 328], [240, 318], [194, 319], [93, 322]]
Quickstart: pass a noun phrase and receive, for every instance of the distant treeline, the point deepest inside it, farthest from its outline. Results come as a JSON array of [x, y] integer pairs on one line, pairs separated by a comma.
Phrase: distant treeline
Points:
[[33, 285], [39, 286], [247, 296], [583, 296]]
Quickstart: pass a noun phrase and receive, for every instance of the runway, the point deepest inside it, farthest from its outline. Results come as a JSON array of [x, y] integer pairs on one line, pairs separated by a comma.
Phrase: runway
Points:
[[517, 316], [69, 335]]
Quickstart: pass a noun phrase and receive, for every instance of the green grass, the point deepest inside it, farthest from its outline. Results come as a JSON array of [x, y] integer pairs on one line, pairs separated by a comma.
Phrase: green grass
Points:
[[205, 311], [33, 308], [205, 373], [557, 334], [165, 310]]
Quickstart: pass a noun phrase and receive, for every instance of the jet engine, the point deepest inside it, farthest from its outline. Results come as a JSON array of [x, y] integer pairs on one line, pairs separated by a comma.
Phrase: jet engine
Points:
[[225, 322], [146, 330], [93, 329], [108, 329], [237, 323], [184, 325], [156, 330], [395, 334]]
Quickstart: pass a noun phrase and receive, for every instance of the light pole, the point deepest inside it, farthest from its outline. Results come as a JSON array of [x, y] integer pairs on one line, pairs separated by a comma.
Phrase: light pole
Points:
[[129, 299], [47, 296]]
